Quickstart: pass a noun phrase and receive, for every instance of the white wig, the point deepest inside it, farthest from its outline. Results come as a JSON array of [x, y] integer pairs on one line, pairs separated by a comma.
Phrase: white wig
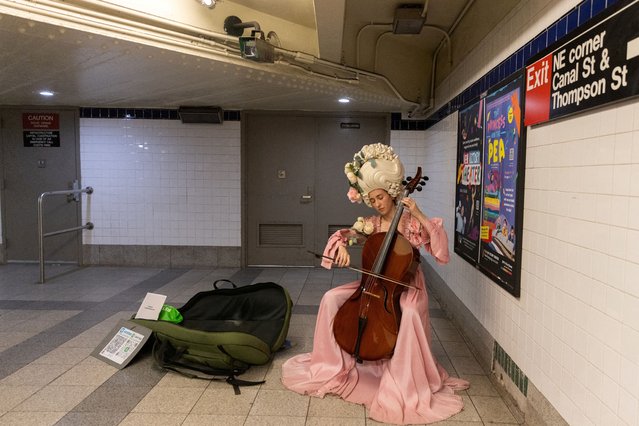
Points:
[[375, 166]]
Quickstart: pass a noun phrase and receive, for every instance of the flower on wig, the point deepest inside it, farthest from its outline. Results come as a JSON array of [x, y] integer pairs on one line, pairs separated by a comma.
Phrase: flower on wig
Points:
[[354, 195]]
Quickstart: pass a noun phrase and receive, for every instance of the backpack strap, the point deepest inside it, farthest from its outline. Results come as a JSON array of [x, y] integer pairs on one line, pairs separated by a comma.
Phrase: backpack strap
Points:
[[170, 358], [222, 280]]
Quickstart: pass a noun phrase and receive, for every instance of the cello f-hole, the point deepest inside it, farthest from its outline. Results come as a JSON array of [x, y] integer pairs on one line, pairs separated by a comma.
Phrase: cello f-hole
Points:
[[386, 300]]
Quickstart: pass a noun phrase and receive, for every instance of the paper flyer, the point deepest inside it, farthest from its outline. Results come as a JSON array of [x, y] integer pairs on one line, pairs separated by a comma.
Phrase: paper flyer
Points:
[[151, 306]]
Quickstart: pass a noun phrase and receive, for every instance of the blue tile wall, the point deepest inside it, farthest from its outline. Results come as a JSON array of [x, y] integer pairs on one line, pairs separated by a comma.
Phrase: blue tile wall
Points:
[[561, 27], [598, 6], [573, 19], [552, 33], [520, 58], [143, 113], [585, 12], [398, 124]]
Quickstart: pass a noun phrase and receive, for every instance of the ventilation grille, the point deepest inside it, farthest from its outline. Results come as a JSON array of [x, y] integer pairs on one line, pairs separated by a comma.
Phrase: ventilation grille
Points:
[[512, 370], [334, 228], [210, 115], [281, 235]]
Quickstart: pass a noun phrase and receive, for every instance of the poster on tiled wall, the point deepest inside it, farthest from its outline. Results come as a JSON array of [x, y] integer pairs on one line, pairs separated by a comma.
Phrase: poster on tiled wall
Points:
[[502, 184], [470, 139]]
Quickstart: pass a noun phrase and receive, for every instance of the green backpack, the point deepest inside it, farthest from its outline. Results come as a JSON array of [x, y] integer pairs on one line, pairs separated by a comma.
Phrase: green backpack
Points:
[[224, 332]]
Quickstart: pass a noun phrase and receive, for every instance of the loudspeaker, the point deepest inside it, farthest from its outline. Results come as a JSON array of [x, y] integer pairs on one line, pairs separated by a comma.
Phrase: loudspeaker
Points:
[[408, 19]]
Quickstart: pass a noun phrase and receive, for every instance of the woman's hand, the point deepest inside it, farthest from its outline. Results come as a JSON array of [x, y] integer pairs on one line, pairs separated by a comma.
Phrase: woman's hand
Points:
[[342, 259], [414, 210], [412, 206]]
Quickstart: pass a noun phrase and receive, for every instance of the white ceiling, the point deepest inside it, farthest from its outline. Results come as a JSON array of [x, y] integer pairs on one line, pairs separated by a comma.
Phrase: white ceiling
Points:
[[91, 53]]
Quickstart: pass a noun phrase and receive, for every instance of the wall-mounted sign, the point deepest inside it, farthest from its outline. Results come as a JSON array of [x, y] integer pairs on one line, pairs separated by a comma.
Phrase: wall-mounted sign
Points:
[[595, 67], [349, 125], [41, 129], [470, 138], [503, 185]]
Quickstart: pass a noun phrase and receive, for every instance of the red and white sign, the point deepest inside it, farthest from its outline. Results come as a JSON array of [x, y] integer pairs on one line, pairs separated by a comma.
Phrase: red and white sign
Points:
[[598, 66], [538, 86], [41, 129], [41, 121]]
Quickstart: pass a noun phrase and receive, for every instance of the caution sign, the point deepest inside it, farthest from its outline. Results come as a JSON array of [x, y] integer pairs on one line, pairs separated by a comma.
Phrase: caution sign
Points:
[[41, 129], [598, 66]]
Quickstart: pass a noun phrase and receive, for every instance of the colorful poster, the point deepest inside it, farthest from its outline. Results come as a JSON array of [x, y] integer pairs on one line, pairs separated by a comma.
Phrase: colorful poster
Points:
[[468, 182], [502, 198]]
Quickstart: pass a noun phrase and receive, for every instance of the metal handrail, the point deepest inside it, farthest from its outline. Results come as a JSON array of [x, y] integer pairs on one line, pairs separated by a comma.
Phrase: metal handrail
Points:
[[42, 235]]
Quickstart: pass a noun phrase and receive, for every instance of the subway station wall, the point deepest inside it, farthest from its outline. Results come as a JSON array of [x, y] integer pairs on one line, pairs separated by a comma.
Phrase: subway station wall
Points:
[[161, 182], [574, 331]]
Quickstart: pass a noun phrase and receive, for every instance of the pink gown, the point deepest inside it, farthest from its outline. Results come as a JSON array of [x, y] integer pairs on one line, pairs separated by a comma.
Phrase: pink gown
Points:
[[411, 387]]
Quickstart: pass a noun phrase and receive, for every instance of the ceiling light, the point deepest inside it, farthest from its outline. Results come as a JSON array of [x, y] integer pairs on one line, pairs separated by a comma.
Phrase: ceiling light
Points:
[[46, 93], [343, 100], [208, 3]]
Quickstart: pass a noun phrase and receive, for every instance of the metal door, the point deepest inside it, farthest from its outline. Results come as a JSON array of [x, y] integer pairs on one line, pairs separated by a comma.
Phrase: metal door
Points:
[[338, 140], [280, 188], [295, 183], [31, 168]]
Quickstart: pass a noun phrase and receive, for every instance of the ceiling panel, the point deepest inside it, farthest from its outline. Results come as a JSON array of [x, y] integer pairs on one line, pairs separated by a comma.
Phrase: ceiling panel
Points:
[[118, 61]]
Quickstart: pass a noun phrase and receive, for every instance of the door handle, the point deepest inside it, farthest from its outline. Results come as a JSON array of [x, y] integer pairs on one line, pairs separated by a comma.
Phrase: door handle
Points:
[[308, 197]]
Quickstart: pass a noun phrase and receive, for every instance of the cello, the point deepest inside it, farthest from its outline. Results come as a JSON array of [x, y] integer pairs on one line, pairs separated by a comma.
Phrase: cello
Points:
[[367, 324]]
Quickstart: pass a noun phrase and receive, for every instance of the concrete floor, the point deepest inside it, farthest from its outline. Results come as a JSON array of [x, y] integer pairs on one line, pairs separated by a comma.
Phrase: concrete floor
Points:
[[48, 376]]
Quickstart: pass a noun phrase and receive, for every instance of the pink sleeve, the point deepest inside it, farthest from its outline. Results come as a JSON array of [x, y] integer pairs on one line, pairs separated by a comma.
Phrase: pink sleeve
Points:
[[432, 236], [339, 238]]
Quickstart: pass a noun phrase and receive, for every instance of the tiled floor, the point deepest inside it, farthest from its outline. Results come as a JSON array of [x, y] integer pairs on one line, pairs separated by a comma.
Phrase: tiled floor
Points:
[[48, 376]]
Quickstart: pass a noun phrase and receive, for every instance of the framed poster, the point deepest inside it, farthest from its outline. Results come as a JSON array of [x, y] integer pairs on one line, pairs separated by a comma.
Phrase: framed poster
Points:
[[470, 137], [503, 163]]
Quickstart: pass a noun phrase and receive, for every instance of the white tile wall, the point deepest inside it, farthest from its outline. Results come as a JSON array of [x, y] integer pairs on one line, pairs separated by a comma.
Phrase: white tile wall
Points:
[[161, 182], [575, 329]]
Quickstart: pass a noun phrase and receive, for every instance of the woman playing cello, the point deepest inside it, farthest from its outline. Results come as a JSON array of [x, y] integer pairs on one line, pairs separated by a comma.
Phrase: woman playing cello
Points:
[[410, 386]]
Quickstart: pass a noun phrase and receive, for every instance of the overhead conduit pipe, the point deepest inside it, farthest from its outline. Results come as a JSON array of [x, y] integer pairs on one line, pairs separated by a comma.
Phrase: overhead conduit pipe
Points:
[[424, 109], [226, 47], [389, 26]]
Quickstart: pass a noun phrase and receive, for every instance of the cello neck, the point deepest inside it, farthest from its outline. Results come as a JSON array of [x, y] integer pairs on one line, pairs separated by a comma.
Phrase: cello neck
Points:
[[390, 234]]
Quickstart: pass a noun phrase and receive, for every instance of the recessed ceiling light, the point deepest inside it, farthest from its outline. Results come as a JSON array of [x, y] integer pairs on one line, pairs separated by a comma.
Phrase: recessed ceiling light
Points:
[[46, 93], [344, 100]]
